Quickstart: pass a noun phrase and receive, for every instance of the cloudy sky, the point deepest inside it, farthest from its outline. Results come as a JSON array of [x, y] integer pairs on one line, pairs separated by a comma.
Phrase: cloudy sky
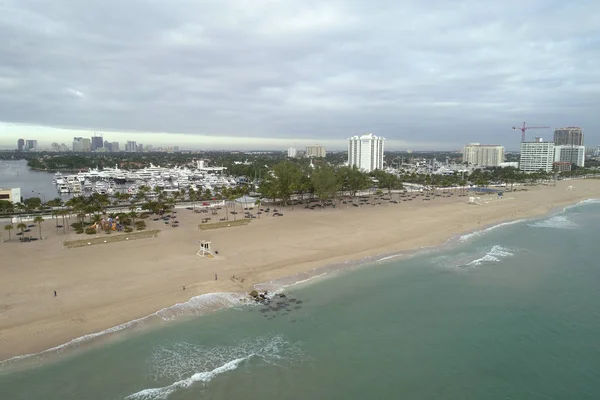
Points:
[[274, 73]]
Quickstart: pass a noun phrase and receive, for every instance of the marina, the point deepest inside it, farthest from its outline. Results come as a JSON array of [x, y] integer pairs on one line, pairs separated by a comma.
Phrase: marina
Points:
[[153, 178]]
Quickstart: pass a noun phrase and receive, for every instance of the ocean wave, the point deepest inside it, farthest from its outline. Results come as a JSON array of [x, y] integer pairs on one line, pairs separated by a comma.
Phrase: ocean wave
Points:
[[187, 363], [494, 255], [196, 305], [471, 235], [465, 261], [164, 392], [555, 222]]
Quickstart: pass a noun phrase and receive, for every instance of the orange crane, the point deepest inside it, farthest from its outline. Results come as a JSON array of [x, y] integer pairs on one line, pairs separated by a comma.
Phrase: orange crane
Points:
[[524, 128]]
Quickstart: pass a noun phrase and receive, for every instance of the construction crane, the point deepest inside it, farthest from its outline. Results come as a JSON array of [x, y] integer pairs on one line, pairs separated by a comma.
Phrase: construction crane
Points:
[[524, 128]]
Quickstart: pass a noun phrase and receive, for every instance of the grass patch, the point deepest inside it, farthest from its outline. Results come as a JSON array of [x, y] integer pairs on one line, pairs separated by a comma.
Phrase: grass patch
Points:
[[111, 239], [224, 224]]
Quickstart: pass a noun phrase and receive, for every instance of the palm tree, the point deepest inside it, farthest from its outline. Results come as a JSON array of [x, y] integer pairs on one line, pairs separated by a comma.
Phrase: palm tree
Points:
[[232, 199], [22, 226], [257, 204], [38, 220], [8, 228]]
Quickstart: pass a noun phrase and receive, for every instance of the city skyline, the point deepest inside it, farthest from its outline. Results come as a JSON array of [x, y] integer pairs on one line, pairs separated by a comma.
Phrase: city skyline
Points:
[[284, 72]]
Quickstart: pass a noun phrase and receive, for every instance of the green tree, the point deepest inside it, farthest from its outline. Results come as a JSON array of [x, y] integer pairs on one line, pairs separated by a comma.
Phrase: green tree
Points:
[[8, 228], [325, 182], [282, 182], [22, 226], [38, 220], [353, 180]]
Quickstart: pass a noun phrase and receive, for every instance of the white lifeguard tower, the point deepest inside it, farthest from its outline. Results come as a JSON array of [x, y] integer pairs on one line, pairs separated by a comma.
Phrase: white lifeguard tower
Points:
[[475, 200], [205, 250]]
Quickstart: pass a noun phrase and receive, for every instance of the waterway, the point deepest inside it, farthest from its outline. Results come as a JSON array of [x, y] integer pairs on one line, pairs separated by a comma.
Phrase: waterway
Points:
[[16, 174]]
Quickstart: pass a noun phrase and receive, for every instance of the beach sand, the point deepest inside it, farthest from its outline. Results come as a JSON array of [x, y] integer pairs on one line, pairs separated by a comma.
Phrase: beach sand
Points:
[[105, 285]]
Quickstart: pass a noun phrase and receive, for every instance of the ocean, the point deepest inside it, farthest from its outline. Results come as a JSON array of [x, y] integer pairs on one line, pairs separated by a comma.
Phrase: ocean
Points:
[[510, 312]]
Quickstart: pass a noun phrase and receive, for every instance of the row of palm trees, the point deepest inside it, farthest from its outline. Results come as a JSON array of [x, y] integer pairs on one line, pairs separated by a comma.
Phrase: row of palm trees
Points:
[[38, 220], [95, 205]]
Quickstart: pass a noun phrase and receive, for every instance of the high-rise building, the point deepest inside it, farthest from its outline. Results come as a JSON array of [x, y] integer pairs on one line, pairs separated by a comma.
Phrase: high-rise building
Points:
[[570, 136], [175, 149], [115, 147], [107, 145], [97, 142], [140, 148], [315, 151], [20, 144], [131, 146], [572, 154], [31, 145], [292, 152], [86, 145], [366, 152], [63, 147], [485, 155], [78, 144], [536, 156]]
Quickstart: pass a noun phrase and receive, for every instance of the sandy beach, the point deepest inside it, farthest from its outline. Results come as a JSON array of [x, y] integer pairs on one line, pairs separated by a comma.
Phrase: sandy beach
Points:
[[106, 285]]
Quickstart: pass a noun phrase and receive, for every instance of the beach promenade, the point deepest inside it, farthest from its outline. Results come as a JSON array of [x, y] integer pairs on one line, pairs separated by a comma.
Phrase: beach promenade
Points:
[[104, 285]]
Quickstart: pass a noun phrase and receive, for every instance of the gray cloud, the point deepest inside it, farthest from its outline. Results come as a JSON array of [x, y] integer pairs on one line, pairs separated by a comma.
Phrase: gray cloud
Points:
[[436, 71]]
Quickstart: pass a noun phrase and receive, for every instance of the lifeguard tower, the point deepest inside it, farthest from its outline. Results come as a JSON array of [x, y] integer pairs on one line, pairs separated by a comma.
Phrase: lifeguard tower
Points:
[[205, 250]]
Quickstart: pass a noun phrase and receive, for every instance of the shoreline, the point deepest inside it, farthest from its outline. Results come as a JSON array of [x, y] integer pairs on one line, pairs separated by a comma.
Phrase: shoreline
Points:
[[309, 270]]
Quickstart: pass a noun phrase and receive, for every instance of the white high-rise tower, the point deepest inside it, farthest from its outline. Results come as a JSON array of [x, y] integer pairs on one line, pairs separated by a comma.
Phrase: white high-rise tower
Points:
[[366, 152]]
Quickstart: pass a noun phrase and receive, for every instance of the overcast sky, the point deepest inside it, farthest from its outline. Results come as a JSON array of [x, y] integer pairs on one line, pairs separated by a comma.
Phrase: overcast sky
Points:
[[424, 74]]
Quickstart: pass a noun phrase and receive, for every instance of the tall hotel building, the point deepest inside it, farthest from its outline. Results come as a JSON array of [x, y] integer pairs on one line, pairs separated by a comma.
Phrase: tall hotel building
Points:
[[366, 152]]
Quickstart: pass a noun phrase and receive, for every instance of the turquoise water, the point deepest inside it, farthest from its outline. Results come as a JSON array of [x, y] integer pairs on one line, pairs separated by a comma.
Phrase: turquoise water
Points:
[[511, 313]]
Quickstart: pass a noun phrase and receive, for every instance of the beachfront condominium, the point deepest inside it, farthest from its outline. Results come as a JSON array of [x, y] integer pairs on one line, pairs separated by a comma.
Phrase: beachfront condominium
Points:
[[571, 154], [366, 152], [484, 155], [315, 150], [536, 156], [20, 144], [570, 136]]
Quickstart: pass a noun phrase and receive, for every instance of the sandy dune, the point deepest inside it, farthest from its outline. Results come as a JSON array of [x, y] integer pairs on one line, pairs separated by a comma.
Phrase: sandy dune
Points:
[[106, 285]]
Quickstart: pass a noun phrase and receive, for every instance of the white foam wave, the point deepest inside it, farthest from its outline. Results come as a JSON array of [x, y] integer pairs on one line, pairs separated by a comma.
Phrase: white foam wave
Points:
[[471, 235], [494, 255], [187, 363], [205, 377], [555, 222], [389, 257], [196, 305], [464, 261]]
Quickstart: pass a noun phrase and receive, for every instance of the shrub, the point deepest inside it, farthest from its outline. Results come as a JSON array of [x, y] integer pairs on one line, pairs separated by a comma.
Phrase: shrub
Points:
[[90, 231], [140, 225], [79, 231], [128, 229], [78, 225]]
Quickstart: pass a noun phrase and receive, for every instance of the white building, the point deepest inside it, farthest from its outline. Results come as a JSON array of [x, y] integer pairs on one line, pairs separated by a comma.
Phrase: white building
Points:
[[484, 155], [11, 194], [572, 154], [315, 151], [292, 152], [366, 152], [536, 156]]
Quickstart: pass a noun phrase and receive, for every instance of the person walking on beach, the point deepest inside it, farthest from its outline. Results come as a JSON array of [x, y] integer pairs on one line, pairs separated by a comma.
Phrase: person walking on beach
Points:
[[184, 288], [215, 277], [55, 293]]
